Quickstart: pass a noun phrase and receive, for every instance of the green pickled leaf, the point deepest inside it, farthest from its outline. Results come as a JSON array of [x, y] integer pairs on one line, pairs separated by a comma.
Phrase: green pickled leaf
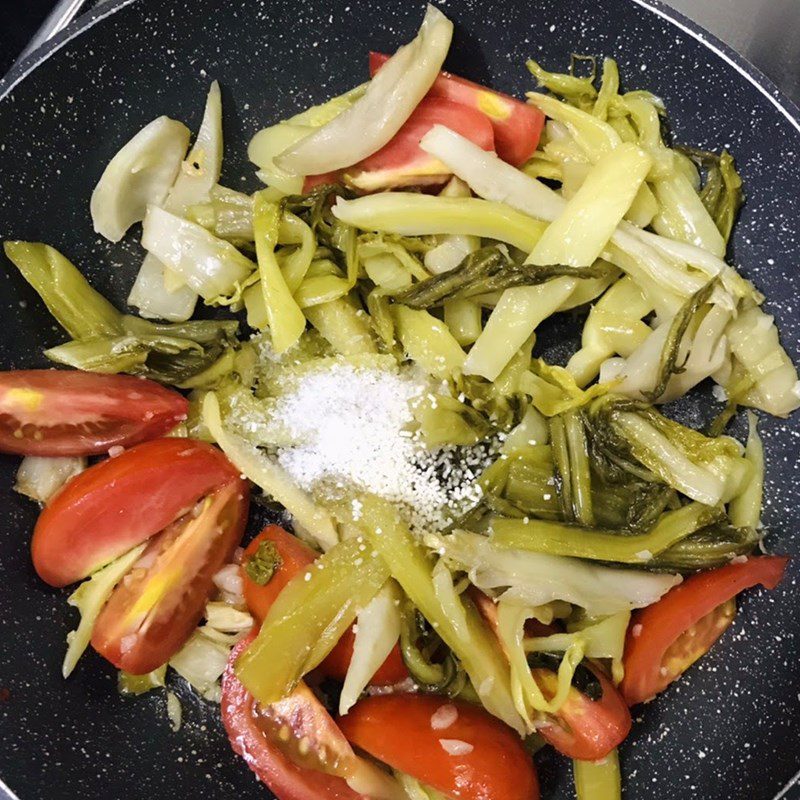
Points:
[[722, 193], [263, 564], [668, 363]]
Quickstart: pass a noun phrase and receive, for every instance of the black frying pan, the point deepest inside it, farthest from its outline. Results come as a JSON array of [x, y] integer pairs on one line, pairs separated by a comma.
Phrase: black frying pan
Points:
[[726, 731]]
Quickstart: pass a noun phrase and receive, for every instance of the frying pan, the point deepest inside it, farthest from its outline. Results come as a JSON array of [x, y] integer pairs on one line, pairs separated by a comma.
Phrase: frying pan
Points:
[[728, 730]]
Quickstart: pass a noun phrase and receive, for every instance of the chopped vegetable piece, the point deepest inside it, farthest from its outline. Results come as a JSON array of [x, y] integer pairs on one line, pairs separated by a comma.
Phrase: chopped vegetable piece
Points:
[[534, 579], [42, 477], [140, 174], [209, 266], [372, 120], [516, 316], [89, 598], [568, 540], [153, 612], [71, 413], [120, 503], [598, 780], [309, 617], [108, 341], [664, 639], [288, 556], [474, 757], [410, 214], [324, 766], [581, 232], [375, 639], [517, 126]]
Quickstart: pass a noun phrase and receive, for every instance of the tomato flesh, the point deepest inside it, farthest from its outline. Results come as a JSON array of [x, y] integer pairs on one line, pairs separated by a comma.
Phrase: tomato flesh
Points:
[[473, 757], [660, 645], [251, 737], [402, 162], [119, 503], [46, 412], [517, 126], [583, 728], [154, 609]]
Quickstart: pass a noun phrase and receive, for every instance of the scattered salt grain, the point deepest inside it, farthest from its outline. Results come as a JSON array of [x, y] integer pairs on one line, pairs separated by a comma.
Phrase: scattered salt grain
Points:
[[444, 717], [644, 555], [455, 747], [636, 631]]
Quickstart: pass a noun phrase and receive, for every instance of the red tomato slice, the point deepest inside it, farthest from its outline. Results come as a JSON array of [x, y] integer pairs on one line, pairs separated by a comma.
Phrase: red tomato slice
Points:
[[121, 502], [295, 557], [402, 162], [47, 412], [337, 662], [154, 609], [251, 734], [665, 638], [474, 757], [583, 728], [517, 125]]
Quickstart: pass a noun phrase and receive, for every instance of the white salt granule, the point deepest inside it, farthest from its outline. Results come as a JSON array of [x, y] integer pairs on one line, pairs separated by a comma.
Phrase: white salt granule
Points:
[[351, 428], [444, 717], [455, 747]]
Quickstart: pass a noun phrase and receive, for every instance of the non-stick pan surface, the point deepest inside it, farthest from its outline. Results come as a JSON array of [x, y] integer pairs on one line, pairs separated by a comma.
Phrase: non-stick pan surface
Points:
[[726, 731]]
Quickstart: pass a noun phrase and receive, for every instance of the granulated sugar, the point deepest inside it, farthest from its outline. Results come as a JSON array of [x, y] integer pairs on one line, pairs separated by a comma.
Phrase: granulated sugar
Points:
[[351, 424]]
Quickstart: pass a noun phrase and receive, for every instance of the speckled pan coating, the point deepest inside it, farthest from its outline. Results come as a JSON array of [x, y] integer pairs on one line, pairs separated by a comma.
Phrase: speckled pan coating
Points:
[[729, 730]]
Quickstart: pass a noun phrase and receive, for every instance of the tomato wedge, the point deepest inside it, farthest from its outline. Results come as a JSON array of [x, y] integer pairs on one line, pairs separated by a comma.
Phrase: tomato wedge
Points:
[[584, 728], [517, 125], [665, 638], [455, 747], [402, 162], [121, 502], [48, 412], [154, 609], [255, 735], [294, 557]]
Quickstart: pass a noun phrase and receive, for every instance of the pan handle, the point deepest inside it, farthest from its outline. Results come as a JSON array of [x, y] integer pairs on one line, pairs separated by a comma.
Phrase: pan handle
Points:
[[58, 19]]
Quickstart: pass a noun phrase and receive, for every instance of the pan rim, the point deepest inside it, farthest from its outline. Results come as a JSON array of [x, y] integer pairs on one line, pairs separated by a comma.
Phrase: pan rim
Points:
[[775, 96], [746, 69]]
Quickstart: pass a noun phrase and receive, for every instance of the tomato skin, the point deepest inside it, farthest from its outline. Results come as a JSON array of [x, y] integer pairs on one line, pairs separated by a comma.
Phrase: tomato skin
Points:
[[286, 779], [396, 729], [663, 623], [119, 503], [402, 162], [295, 557], [48, 412], [583, 728], [517, 125], [157, 605], [392, 671]]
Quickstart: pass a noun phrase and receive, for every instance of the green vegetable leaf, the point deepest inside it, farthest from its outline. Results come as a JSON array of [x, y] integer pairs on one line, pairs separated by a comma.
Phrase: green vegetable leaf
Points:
[[263, 564]]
